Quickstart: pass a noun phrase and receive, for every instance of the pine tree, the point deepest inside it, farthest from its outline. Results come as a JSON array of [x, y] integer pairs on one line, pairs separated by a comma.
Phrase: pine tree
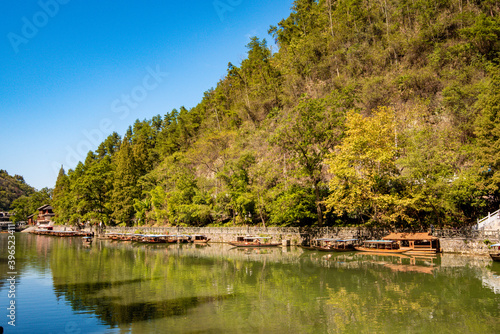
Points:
[[62, 199]]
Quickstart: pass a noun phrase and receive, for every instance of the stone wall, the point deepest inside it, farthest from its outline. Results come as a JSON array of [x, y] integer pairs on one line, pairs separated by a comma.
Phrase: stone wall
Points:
[[465, 241], [465, 246], [218, 234]]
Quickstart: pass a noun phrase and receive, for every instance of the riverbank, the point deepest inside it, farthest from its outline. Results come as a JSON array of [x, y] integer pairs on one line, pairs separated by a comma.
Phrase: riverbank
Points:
[[464, 241]]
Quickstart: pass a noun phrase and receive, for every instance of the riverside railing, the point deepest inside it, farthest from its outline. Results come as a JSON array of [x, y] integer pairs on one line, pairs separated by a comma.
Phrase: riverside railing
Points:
[[490, 219]]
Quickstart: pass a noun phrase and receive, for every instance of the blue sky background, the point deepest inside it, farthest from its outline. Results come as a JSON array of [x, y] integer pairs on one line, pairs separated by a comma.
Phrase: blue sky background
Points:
[[66, 68]]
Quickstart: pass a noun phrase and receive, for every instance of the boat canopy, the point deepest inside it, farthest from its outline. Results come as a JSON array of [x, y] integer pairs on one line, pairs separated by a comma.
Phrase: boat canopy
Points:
[[380, 241], [346, 240], [495, 245]]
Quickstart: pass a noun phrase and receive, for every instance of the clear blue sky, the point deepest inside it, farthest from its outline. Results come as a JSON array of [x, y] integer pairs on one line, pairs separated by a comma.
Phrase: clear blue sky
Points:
[[74, 71]]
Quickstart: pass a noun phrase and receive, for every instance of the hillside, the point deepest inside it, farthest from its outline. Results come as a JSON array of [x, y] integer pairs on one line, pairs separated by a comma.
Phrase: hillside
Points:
[[371, 113], [11, 188]]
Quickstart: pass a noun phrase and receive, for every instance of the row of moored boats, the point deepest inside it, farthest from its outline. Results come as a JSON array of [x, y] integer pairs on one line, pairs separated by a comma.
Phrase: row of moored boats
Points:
[[408, 243], [392, 243], [158, 238], [416, 243], [62, 233]]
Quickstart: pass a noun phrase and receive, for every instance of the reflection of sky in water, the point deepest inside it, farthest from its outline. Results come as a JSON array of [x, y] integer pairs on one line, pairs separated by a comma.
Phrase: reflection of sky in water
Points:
[[37, 307]]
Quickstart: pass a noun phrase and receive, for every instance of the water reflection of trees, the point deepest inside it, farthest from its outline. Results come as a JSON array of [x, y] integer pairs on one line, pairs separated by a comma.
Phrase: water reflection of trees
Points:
[[277, 290]]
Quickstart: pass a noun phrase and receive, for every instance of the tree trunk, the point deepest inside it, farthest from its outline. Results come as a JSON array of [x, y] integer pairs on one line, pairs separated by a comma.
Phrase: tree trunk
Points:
[[318, 204]]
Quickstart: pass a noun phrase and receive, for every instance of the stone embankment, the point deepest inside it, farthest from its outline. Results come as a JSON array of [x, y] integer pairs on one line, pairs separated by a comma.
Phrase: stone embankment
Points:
[[464, 241]]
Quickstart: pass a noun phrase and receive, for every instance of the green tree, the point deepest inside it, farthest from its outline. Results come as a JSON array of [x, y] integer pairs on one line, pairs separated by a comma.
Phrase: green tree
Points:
[[62, 200], [240, 200], [488, 138], [429, 165], [309, 133], [294, 206], [11, 188], [26, 205], [125, 188], [256, 143]]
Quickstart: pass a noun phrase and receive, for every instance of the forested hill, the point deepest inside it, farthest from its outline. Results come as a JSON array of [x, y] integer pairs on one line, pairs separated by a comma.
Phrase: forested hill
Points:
[[11, 188], [380, 113]]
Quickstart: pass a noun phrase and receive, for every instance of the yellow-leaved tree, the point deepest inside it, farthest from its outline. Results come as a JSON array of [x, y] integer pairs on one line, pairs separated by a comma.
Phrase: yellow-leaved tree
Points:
[[365, 179]]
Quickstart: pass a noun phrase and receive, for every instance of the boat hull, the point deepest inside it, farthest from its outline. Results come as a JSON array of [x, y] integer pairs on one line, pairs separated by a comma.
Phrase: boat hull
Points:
[[375, 250], [335, 249], [422, 250], [201, 241], [495, 257]]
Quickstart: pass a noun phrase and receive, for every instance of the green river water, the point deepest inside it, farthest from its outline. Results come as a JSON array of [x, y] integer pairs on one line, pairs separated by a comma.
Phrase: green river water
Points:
[[64, 286]]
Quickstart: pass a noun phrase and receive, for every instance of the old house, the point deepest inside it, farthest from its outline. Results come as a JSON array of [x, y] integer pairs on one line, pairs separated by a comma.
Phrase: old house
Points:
[[45, 214]]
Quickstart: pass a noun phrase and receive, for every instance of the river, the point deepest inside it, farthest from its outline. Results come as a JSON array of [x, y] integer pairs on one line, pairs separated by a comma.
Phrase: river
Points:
[[64, 286]]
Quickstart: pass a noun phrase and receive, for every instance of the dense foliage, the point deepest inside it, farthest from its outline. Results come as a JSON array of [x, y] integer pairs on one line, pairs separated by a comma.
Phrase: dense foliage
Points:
[[25, 206], [382, 113], [19, 198], [11, 188]]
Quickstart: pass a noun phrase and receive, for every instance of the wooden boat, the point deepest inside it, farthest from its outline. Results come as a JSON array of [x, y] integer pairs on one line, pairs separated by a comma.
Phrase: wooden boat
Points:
[[171, 239], [181, 239], [316, 244], [114, 236], [130, 237], [416, 242], [200, 239], [154, 238], [380, 246], [250, 241], [495, 256], [62, 233], [87, 240], [184, 239], [336, 245]]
